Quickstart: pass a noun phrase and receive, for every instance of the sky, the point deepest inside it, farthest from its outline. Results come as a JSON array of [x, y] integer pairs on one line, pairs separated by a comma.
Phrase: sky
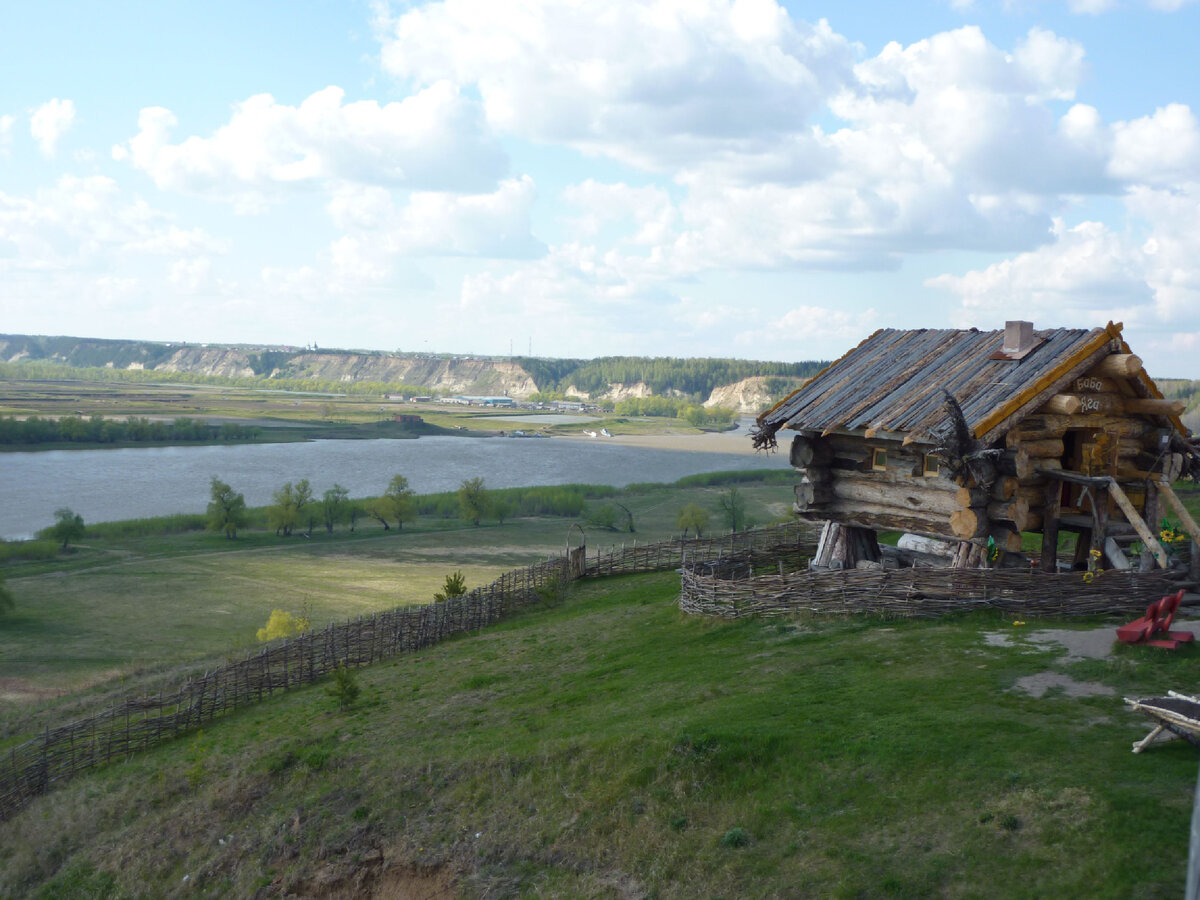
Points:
[[565, 178]]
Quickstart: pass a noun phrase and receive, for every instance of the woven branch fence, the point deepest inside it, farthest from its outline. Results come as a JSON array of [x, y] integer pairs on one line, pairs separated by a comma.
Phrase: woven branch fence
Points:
[[668, 555], [140, 722], [916, 593]]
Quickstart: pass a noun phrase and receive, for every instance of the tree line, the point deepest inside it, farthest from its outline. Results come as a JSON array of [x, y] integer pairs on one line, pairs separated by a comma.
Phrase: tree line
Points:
[[694, 378], [674, 408], [98, 430], [296, 508]]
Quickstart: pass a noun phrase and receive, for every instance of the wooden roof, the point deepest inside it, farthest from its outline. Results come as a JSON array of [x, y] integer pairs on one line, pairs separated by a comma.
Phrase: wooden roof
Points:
[[891, 384]]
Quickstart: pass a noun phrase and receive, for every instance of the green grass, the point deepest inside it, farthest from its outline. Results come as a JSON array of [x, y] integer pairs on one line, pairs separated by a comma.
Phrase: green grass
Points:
[[609, 744], [154, 593]]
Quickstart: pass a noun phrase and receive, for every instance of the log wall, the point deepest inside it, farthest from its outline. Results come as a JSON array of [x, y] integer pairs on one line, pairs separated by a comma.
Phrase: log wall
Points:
[[1099, 424]]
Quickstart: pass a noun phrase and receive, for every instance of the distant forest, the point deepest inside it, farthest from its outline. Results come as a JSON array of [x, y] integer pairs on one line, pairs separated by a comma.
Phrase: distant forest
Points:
[[1189, 393], [690, 377], [102, 359]]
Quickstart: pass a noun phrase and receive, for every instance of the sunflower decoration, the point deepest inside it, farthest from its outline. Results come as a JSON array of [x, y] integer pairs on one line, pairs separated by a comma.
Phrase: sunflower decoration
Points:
[[1170, 533]]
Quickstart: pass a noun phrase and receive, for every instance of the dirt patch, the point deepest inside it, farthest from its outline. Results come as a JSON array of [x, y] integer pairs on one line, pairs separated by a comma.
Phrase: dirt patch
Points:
[[1038, 684], [1079, 643], [20, 690]]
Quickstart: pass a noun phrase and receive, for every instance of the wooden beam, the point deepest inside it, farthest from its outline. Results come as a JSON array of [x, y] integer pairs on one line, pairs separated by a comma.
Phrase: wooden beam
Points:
[[1115, 555], [1049, 560], [1085, 404], [1146, 563], [1118, 365], [1138, 523], [1152, 406]]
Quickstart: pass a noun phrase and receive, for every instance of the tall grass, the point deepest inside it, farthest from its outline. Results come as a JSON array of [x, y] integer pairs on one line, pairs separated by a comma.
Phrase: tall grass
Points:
[[16, 551]]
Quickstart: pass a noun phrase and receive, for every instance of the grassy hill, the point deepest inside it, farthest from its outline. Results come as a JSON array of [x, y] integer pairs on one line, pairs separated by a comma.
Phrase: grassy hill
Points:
[[608, 746], [603, 745]]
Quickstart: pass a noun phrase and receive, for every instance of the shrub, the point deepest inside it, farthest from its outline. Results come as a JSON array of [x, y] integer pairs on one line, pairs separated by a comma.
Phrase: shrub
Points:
[[344, 689], [736, 837], [282, 624], [455, 585]]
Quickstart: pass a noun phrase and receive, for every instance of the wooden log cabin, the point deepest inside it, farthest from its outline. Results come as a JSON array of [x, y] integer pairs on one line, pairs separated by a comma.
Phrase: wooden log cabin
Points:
[[967, 435]]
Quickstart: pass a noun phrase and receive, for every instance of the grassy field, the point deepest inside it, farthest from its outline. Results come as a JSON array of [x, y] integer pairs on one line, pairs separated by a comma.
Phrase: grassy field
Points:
[[283, 416], [117, 605], [611, 747]]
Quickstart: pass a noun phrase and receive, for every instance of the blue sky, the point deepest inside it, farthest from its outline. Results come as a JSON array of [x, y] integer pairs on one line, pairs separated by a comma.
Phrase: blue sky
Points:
[[701, 178]]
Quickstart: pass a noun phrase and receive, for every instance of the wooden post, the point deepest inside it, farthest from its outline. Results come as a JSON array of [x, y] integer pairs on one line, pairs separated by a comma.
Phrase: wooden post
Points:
[[1053, 497], [1146, 563], [1139, 525], [1099, 520]]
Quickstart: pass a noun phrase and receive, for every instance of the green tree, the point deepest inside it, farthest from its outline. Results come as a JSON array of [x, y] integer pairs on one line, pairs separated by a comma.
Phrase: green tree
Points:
[[602, 516], [6, 597], [68, 526], [396, 504], [399, 499], [733, 508], [226, 509], [282, 514], [693, 516], [334, 505], [306, 510], [472, 500], [454, 586], [502, 508], [354, 512]]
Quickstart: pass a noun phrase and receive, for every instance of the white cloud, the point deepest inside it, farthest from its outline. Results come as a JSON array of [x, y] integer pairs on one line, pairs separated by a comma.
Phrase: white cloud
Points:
[[648, 208], [1090, 7], [1090, 273], [1084, 273], [86, 224], [814, 325], [49, 122], [1161, 149], [655, 84], [6, 126], [433, 140], [191, 276]]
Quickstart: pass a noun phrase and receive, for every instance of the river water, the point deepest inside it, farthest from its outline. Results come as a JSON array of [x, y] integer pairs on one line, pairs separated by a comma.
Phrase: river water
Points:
[[105, 485]]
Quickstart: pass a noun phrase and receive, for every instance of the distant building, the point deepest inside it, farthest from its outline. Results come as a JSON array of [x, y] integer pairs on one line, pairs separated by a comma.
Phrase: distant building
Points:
[[407, 418]]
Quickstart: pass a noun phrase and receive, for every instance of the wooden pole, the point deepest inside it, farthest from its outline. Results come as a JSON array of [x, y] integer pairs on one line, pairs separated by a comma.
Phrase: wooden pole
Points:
[[1139, 525]]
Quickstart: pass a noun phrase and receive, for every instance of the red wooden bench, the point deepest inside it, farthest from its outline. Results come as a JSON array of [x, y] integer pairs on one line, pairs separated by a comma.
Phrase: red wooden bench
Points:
[[1154, 627]]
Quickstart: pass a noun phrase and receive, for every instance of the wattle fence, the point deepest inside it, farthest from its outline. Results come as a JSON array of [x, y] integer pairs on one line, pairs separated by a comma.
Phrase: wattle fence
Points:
[[752, 573], [139, 722], [730, 591]]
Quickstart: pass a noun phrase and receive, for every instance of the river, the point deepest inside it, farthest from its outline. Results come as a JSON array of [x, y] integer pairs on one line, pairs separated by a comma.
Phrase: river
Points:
[[105, 485]]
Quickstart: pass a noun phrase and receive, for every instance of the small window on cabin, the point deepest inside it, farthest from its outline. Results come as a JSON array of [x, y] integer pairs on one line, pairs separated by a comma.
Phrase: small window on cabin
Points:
[[930, 466], [879, 460]]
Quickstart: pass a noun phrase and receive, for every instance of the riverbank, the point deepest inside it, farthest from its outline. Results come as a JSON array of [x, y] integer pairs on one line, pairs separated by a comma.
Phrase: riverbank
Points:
[[729, 442]]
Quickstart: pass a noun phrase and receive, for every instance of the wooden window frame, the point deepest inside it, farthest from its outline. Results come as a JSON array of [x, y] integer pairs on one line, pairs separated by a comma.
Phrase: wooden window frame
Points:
[[931, 466], [878, 453]]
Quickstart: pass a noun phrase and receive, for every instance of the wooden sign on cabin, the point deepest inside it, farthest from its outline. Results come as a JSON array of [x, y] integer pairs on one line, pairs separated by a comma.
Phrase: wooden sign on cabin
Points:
[[974, 437]]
